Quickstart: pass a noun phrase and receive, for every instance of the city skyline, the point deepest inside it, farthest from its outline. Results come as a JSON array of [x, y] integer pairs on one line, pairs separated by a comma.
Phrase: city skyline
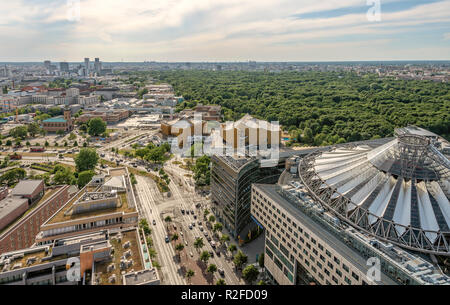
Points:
[[230, 31]]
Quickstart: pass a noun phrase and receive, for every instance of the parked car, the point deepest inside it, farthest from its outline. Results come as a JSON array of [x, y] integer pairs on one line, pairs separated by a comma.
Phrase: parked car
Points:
[[182, 211], [195, 216], [190, 227], [199, 223], [167, 239], [193, 224], [201, 228], [154, 222], [211, 253], [221, 272]]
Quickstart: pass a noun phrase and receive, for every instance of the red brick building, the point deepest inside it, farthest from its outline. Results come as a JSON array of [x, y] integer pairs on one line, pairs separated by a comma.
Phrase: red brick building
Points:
[[22, 233], [64, 123]]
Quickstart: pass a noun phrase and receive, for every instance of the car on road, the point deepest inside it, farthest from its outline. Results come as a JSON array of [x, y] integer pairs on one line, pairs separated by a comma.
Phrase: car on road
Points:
[[167, 239], [199, 223], [217, 252], [190, 227], [182, 211], [201, 228], [192, 212], [154, 222], [208, 238], [195, 216], [193, 224], [211, 253], [221, 272], [102, 155]]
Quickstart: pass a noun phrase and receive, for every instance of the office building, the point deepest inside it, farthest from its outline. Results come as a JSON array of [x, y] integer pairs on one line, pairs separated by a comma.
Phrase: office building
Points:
[[305, 244], [64, 67], [86, 67], [94, 208], [231, 179], [249, 130], [349, 203], [107, 257], [98, 66]]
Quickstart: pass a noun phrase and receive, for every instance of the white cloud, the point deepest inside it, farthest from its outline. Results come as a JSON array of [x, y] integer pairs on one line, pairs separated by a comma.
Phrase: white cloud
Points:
[[203, 29]]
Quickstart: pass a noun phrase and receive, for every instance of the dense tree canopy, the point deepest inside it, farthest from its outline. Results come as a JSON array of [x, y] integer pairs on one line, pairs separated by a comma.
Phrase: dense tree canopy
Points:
[[96, 127], [86, 160], [319, 108]]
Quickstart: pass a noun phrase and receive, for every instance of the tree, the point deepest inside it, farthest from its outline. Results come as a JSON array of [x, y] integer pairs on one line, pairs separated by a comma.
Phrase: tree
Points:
[[202, 173], [204, 256], [175, 236], [261, 260], [224, 238], [96, 126], [211, 269], [232, 248], [250, 273], [179, 248], [19, 132], [33, 129], [64, 176], [205, 213], [143, 224], [87, 159], [60, 132], [28, 143], [240, 259], [72, 136], [218, 227], [189, 274], [46, 144], [221, 282], [212, 218], [198, 243], [168, 219], [8, 142], [13, 175], [262, 282], [75, 144], [85, 177]]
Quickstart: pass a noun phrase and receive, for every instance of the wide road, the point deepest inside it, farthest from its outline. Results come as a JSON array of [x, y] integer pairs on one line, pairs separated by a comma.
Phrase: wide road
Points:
[[186, 202], [149, 209]]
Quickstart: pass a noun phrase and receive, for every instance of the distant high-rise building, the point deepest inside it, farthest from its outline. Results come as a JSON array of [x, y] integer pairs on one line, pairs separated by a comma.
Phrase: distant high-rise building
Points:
[[97, 66], [86, 66], [64, 67], [47, 64]]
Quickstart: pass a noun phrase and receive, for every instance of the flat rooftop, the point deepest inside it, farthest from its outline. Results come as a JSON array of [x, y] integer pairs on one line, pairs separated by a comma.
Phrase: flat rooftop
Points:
[[48, 193], [26, 187], [65, 213], [101, 269]]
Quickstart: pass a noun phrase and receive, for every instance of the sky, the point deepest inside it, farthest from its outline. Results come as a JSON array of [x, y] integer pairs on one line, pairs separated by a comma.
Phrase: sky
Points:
[[224, 30]]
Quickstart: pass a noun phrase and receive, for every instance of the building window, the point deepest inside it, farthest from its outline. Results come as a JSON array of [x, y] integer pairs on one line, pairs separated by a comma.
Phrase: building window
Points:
[[355, 276], [337, 261], [344, 266]]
